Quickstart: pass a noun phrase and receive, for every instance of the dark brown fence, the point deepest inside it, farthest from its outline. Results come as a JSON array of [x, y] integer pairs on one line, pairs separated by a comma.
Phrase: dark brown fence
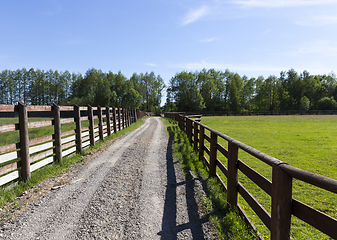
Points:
[[283, 205], [20, 159]]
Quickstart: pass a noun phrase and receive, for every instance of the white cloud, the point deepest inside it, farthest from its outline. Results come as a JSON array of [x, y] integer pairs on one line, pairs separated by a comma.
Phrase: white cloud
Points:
[[207, 40], [318, 21], [151, 64], [194, 15], [282, 3]]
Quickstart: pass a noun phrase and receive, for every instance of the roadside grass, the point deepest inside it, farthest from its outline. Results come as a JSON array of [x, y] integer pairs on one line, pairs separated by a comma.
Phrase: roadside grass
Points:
[[9, 194], [225, 219], [306, 142]]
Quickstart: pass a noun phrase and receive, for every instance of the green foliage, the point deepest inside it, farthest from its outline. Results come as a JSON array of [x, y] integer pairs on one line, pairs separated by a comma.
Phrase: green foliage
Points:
[[306, 142], [224, 218], [212, 90]]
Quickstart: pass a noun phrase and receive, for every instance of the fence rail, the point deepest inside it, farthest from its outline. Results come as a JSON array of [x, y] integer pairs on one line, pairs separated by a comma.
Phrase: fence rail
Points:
[[20, 159], [283, 205]]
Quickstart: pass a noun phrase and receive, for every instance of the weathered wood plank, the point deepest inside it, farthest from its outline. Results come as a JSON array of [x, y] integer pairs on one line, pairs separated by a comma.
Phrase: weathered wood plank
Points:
[[84, 144], [222, 167], [255, 205], [64, 134], [38, 124], [9, 147], [40, 140], [39, 156], [9, 128], [68, 145], [67, 120], [66, 108], [41, 147], [315, 218], [223, 150], [9, 168], [84, 118], [33, 108], [7, 108], [257, 178]]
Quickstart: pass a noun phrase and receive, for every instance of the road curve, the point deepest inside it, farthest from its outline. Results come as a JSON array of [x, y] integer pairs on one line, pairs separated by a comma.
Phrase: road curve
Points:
[[134, 190]]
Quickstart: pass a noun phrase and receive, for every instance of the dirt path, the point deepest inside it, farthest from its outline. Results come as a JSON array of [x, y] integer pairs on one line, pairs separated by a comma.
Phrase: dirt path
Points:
[[134, 190]]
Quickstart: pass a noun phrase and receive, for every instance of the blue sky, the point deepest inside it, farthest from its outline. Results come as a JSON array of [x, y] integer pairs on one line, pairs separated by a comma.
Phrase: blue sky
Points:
[[250, 37]]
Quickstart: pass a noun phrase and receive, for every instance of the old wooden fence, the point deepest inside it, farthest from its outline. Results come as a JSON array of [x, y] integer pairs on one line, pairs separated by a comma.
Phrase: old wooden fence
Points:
[[20, 159], [283, 205]]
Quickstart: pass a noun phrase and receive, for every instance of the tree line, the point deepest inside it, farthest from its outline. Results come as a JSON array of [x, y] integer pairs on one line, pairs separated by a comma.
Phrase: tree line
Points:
[[95, 88], [213, 90]]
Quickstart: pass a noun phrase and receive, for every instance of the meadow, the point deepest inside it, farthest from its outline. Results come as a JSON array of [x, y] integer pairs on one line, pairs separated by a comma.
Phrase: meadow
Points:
[[306, 142]]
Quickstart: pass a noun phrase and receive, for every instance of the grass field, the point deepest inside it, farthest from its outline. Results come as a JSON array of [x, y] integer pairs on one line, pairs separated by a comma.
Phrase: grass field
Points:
[[306, 142]]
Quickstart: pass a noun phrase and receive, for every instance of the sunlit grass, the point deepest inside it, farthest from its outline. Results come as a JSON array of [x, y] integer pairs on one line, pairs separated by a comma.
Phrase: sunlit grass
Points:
[[215, 205], [306, 142]]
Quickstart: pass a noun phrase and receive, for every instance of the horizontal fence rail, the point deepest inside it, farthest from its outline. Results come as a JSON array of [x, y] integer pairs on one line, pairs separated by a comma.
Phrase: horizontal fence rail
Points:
[[283, 205], [22, 158]]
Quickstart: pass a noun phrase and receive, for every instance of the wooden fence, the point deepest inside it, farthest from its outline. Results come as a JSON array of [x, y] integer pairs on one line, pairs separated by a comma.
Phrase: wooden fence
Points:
[[283, 205], [20, 159]]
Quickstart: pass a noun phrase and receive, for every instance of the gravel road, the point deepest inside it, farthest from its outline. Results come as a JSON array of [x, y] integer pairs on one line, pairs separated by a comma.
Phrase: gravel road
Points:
[[134, 190]]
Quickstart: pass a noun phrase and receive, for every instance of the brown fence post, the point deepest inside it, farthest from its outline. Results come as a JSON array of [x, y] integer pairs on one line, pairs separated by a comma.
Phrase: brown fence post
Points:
[[281, 205], [78, 128], [57, 133], [100, 123], [124, 117], [108, 120], [213, 154], [91, 125], [135, 115], [195, 133], [232, 180], [201, 143], [119, 119], [24, 141], [114, 119]]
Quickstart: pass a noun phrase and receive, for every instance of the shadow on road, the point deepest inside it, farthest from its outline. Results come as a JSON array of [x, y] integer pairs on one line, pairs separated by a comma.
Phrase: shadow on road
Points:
[[170, 227]]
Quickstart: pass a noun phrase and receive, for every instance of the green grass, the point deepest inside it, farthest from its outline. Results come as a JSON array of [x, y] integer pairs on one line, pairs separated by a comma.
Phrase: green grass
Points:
[[306, 142], [223, 218], [9, 195]]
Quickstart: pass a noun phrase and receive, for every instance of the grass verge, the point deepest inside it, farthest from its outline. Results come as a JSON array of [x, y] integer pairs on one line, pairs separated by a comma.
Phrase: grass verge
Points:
[[8, 195], [228, 221]]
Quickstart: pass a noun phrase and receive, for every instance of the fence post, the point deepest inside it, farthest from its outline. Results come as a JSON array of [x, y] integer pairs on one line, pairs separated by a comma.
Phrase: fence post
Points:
[[78, 128], [100, 123], [108, 120], [91, 125], [213, 154], [119, 119], [130, 116], [281, 206], [201, 143], [195, 133], [24, 141], [57, 133], [135, 118], [114, 119], [232, 180], [124, 117]]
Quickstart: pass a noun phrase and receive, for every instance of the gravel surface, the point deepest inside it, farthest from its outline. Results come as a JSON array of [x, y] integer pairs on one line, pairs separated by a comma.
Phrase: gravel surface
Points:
[[134, 190]]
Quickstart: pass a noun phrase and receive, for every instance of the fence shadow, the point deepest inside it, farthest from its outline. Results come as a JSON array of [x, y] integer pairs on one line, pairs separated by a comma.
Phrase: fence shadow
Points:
[[170, 227]]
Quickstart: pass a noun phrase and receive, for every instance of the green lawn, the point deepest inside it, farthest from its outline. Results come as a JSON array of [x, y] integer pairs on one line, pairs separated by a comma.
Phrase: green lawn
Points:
[[306, 142]]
